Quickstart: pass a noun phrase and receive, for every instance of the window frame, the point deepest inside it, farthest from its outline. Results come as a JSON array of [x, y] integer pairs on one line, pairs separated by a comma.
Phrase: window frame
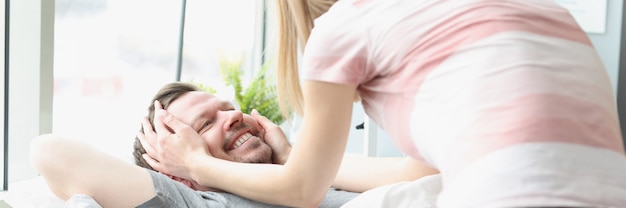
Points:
[[30, 83]]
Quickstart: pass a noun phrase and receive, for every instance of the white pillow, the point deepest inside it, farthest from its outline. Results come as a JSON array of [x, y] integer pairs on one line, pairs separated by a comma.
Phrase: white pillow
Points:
[[81, 201]]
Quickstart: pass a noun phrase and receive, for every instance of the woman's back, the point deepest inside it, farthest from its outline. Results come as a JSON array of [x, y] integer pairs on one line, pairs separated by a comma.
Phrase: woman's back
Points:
[[509, 96]]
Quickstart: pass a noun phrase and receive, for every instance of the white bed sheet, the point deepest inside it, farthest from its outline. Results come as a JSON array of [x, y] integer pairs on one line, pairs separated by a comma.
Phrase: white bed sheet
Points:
[[421, 193], [32, 193]]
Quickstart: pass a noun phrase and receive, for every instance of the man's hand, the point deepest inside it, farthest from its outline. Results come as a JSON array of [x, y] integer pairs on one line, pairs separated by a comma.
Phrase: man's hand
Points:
[[275, 137], [172, 146]]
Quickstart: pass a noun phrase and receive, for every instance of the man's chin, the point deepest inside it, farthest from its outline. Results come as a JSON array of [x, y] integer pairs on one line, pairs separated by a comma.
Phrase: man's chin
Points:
[[261, 154]]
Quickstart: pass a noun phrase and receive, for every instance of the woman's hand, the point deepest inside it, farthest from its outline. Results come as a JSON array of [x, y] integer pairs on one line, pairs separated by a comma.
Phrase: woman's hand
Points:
[[275, 137], [172, 146]]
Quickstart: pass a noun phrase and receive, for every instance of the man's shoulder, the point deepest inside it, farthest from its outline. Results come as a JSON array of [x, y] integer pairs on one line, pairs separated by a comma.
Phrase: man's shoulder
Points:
[[336, 198]]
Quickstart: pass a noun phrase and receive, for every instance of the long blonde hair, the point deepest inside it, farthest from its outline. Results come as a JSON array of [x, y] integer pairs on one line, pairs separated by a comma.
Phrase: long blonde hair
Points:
[[295, 22]]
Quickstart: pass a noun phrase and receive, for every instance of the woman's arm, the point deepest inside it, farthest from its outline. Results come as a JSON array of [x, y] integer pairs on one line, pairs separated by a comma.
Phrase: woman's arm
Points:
[[360, 173], [304, 179]]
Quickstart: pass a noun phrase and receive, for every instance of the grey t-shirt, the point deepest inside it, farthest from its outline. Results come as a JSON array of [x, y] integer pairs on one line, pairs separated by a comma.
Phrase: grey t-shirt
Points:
[[171, 193], [334, 198]]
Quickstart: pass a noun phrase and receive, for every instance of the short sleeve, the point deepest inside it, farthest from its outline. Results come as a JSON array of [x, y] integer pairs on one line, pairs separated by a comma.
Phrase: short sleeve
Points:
[[337, 48]]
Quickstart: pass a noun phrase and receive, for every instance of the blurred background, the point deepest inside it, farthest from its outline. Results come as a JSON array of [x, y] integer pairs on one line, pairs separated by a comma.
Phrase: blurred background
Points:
[[111, 56], [105, 59]]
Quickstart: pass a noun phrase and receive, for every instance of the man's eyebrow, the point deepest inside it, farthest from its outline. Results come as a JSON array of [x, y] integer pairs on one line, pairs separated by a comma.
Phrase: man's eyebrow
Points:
[[194, 122], [226, 104]]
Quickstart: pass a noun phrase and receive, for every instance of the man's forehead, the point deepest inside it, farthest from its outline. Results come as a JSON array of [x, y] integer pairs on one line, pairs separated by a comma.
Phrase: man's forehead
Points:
[[194, 98], [190, 105], [195, 101]]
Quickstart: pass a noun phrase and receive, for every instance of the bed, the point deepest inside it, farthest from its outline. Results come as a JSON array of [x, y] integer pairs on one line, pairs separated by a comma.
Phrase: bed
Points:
[[31, 193], [34, 192]]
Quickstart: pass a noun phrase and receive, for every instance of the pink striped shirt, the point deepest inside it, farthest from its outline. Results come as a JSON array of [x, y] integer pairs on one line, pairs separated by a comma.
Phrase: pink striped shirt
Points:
[[453, 82]]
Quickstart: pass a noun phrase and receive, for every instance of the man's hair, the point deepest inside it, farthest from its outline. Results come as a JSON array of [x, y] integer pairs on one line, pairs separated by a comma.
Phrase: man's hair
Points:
[[166, 95]]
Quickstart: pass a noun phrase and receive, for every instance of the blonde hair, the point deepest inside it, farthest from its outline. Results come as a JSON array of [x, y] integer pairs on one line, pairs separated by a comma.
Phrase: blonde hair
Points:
[[295, 22]]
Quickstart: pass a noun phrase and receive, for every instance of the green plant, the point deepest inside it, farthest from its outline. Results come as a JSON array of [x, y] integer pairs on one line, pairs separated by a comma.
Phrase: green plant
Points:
[[259, 94]]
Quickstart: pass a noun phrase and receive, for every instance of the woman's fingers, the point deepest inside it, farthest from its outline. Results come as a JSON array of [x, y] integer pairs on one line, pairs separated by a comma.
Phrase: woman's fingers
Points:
[[275, 137], [167, 125], [159, 126], [147, 137], [152, 162], [146, 126], [165, 122], [263, 121], [173, 125], [170, 143], [147, 130], [145, 144]]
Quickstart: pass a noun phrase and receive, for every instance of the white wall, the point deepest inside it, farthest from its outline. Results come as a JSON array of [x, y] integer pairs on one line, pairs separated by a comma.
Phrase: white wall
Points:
[[608, 44], [384, 146]]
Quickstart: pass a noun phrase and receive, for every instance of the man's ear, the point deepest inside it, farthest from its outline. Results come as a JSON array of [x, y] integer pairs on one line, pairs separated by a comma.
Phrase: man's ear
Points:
[[181, 180]]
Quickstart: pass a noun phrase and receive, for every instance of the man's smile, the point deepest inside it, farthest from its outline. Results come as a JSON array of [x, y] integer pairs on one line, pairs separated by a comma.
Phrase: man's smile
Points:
[[239, 141]]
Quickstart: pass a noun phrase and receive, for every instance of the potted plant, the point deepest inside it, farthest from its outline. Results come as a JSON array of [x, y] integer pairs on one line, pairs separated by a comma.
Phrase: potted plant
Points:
[[260, 94]]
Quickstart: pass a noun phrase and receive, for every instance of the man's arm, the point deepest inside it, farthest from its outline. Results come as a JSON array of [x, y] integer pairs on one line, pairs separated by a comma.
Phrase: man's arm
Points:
[[70, 167], [360, 173]]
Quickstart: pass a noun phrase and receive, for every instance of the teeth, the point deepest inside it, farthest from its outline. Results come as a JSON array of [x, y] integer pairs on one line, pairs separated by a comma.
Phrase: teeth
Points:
[[241, 140]]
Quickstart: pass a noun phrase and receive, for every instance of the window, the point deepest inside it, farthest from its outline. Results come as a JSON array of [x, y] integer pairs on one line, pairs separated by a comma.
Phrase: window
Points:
[[111, 56]]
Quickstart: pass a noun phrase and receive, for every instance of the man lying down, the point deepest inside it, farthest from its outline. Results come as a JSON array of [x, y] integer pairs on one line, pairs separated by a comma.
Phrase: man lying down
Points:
[[74, 169]]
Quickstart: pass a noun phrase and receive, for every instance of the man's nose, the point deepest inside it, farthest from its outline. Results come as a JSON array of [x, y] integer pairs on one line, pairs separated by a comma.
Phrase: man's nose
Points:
[[232, 119]]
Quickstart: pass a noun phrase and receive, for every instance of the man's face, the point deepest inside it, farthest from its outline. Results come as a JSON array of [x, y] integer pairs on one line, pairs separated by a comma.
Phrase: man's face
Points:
[[230, 134]]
